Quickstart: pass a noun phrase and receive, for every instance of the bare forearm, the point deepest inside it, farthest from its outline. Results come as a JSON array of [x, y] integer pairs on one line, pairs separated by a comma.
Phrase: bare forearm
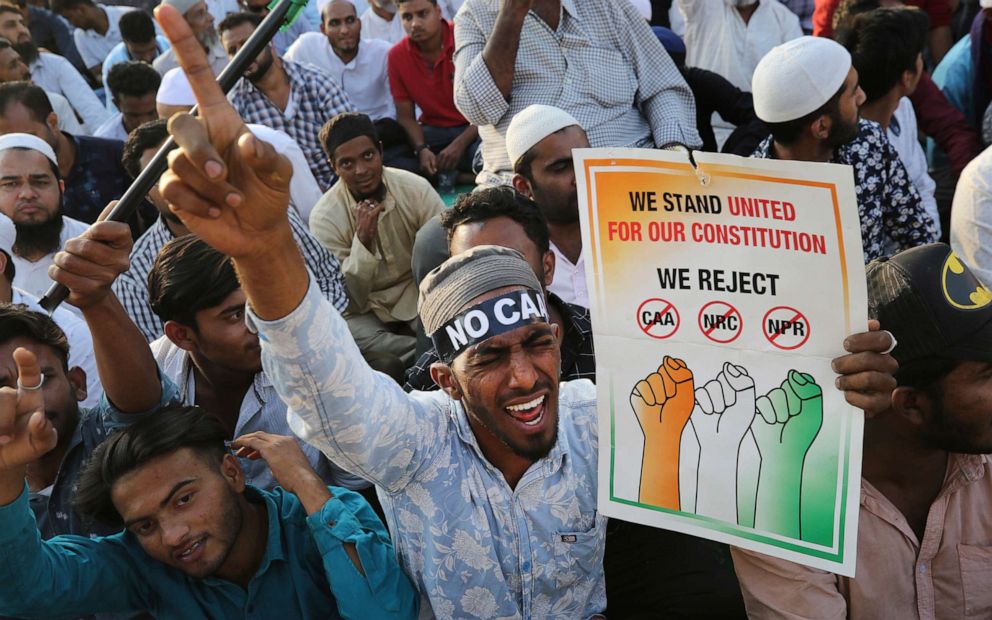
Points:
[[414, 132], [276, 281], [500, 53], [127, 370]]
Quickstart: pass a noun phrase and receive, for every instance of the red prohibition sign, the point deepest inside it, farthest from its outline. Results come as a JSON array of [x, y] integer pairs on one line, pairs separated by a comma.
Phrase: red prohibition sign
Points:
[[720, 316], [785, 327], [658, 318]]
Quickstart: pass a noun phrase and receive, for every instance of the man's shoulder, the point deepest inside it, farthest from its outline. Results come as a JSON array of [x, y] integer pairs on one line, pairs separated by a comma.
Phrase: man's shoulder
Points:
[[101, 146], [312, 41], [577, 394], [397, 178], [53, 60], [72, 227]]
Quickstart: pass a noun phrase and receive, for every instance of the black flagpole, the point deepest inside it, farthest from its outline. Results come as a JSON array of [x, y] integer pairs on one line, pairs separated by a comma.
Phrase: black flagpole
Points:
[[281, 12]]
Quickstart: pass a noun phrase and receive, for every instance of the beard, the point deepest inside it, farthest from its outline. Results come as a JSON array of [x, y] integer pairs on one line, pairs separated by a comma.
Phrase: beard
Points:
[[264, 63], [38, 238], [842, 132], [28, 51], [557, 209], [209, 38]]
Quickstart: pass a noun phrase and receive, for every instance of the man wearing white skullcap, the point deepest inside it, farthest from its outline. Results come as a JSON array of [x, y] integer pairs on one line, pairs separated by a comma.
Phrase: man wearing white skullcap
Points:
[[39, 228], [539, 142], [729, 37], [201, 22], [596, 59], [807, 92]]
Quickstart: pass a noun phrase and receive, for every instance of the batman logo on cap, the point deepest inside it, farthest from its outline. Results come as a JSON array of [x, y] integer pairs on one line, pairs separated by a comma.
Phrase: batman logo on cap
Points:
[[961, 288]]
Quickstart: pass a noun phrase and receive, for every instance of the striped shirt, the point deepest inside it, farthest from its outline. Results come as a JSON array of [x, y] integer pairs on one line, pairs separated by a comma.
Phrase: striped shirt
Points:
[[131, 287]]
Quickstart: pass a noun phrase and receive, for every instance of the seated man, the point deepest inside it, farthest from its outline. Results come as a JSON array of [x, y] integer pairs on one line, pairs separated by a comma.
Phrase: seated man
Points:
[[128, 374], [886, 47], [96, 30], [359, 67], [138, 42], [50, 71], [807, 92], [208, 351], [132, 286], [421, 75], [491, 432], [76, 332], [29, 166], [90, 166], [502, 216], [132, 86], [926, 481], [201, 22], [296, 98], [199, 541], [50, 32], [369, 221], [13, 69]]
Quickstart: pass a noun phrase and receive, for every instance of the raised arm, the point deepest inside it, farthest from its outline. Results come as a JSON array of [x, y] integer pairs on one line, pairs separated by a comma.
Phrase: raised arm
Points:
[[69, 575], [361, 566], [484, 62], [231, 190], [87, 266]]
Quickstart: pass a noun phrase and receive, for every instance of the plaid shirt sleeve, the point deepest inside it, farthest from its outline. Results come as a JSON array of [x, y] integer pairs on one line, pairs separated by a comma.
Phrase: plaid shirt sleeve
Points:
[[476, 95], [322, 264], [335, 100]]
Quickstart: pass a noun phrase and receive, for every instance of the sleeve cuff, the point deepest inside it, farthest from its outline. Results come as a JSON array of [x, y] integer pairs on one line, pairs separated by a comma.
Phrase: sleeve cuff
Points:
[[117, 418], [334, 524]]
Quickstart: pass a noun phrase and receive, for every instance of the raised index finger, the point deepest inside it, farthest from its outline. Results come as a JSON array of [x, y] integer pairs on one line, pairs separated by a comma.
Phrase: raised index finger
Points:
[[28, 377], [192, 58]]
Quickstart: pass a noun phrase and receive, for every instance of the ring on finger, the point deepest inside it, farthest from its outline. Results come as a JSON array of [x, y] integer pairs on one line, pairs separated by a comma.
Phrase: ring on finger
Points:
[[41, 382]]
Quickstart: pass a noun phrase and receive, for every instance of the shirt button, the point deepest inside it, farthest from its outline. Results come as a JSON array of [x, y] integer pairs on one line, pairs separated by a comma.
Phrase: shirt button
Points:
[[923, 568], [525, 566], [331, 522]]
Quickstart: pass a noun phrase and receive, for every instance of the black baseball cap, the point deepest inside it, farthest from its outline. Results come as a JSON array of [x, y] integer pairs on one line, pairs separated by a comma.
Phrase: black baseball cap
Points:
[[933, 304]]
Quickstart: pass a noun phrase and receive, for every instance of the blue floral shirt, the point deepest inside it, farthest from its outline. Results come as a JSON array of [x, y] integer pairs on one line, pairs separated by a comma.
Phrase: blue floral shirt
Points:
[[474, 547], [888, 204]]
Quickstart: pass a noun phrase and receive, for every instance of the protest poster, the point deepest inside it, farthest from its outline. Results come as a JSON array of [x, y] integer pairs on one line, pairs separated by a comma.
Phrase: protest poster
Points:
[[719, 294]]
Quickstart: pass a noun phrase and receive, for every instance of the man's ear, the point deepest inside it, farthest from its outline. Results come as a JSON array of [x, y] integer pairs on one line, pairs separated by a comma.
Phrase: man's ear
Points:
[[77, 379], [522, 185], [182, 336], [820, 128], [549, 268], [443, 377], [52, 120], [230, 469], [912, 405]]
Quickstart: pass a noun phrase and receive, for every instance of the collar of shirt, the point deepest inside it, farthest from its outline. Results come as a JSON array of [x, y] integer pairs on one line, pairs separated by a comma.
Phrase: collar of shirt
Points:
[[273, 546], [962, 470]]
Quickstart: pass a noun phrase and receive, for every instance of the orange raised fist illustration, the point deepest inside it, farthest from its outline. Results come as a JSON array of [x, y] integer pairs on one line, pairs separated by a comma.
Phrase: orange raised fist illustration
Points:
[[662, 403]]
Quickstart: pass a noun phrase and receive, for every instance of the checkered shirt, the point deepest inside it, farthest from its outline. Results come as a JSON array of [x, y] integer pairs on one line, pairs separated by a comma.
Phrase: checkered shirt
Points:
[[804, 10], [578, 359], [603, 65], [315, 99], [131, 287]]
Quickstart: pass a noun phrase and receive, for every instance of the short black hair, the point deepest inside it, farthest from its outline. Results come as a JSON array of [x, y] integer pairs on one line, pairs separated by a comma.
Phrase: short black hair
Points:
[[29, 95], [789, 131], [136, 27], [60, 6], [17, 321], [502, 201], [132, 79], [345, 127], [9, 270], [884, 43], [167, 430], [146, 136], [233, 20], [188, 276], [399, 2], [847, 10]]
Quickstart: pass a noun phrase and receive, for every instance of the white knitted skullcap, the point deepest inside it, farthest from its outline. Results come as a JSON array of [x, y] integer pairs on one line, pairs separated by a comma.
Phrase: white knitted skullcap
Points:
[[798, 77], [533, 124], [27, 141], [643, 7], [175, 89], [183, 6]]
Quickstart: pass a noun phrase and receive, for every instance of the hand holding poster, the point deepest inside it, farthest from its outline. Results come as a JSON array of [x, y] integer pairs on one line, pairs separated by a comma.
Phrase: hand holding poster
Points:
[[719, 295]]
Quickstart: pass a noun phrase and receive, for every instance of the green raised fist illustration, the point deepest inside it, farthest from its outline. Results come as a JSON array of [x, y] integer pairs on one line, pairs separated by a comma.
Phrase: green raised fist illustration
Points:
[[723, 414], [662, 402], [788, 421]]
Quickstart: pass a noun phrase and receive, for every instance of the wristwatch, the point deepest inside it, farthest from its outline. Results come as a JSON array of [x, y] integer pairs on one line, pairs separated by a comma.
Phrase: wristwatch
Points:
[[418, 149]]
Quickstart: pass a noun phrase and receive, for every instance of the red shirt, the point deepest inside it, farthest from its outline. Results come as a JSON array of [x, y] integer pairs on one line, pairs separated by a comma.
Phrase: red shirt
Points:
[[432, 88], [939, 12]]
